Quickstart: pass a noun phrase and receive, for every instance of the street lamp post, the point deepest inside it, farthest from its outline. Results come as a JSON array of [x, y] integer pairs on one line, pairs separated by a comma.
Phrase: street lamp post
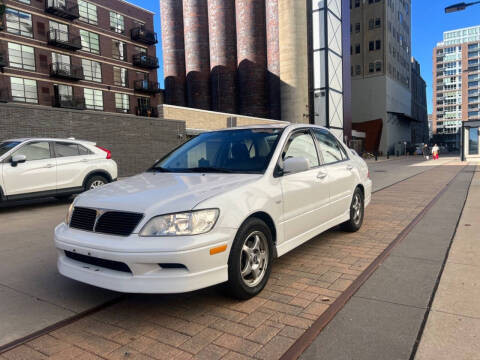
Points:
[[459, 7]]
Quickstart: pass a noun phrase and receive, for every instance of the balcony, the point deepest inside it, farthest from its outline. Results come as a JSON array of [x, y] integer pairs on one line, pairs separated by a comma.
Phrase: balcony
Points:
[[143, 35], [69, 102], [146, 86], [147, 111], [145, 61], [64, 40], [66, 9], [66, 71]]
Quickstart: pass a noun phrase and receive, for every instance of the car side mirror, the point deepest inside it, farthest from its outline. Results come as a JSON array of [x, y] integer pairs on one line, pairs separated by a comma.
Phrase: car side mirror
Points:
[[295, 164], [18, 159]]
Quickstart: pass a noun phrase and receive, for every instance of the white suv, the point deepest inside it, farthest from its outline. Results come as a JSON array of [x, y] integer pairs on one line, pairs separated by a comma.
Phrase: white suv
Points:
[[42, 167]]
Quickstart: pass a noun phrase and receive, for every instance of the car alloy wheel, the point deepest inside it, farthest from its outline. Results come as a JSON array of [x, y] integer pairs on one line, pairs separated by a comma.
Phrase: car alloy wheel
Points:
[[356, 208], [254, 258], [356, 212], [96, 183]]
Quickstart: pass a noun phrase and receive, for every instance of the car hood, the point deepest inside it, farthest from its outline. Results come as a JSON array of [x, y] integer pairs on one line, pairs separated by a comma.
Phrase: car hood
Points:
[[162, 193]]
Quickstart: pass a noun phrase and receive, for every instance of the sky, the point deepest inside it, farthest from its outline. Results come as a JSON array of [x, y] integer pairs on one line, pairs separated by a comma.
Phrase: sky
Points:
[[429, 21]]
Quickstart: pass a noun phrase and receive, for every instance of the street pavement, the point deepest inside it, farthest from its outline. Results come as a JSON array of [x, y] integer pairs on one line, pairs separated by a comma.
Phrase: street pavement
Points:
[[452, 330], [205, 323]]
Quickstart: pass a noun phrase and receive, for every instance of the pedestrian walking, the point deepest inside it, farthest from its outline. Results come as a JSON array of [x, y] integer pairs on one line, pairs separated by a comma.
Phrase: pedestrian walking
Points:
[[425, 152], [435, 150]]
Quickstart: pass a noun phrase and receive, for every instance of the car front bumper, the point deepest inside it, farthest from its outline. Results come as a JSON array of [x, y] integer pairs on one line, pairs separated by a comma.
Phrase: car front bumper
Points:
[[194, 268]]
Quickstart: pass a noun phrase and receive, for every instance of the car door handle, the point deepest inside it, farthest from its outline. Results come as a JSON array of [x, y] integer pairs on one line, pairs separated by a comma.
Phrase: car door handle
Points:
[[84, 160], [349, 167], [321, 175], [49, 166]]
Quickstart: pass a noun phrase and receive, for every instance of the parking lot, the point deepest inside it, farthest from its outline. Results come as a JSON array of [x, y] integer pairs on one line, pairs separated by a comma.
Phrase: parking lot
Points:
[[205, 324]]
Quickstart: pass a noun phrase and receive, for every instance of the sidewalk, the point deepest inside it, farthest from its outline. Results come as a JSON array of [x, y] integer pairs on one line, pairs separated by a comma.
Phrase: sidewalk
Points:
[[453, 327]]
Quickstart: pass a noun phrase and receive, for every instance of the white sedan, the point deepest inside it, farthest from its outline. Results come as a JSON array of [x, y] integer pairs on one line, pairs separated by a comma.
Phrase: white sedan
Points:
[[220, 208]]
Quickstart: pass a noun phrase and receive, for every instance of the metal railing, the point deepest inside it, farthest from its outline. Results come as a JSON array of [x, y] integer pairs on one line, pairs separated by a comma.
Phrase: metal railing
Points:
[[148, 111], [66, 71], [67, 9], [145, 61], [143, 35], [64, 39], [69, 102], [146, 86]]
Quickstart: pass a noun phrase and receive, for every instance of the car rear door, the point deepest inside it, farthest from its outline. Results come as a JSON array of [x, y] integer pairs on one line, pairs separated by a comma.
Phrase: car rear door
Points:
[[305, 194], [72, 161], [340, 169], [36, 174]]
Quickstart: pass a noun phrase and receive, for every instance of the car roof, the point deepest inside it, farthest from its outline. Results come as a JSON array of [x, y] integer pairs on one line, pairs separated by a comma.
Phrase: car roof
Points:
[[280, 125], [51, 139]]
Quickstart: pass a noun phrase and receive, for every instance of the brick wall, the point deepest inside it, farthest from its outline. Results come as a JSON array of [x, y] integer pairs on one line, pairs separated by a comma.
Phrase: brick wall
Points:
[[136, 142]]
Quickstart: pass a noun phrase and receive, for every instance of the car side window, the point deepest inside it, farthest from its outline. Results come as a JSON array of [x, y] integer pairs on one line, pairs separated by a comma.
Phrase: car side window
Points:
[[301, 144], [63, 149], [83, 150], [38, 150], [331, 150]]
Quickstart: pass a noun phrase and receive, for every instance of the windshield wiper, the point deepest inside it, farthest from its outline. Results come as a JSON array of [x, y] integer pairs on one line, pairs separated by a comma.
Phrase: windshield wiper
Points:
[[207, 169], [158, 169]]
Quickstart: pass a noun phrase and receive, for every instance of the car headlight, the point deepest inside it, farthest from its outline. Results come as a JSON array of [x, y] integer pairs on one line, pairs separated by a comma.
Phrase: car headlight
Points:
[[68, 217], [184, 223]]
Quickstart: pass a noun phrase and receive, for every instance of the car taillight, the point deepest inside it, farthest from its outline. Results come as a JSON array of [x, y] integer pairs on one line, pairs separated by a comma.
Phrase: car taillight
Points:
[[109, 153]]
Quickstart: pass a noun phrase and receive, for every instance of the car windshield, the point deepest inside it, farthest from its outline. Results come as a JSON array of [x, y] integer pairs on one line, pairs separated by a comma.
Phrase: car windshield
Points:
[[7, 146], [228, 151]]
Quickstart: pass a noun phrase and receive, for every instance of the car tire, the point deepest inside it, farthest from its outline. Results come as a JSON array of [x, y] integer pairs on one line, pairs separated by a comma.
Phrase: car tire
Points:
[[249, 270], [357, 210], [94, 182]]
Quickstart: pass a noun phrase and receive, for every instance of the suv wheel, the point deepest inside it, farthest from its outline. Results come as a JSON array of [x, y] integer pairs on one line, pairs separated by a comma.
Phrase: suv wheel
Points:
[[356, 212], [94, 182], [250, 260]]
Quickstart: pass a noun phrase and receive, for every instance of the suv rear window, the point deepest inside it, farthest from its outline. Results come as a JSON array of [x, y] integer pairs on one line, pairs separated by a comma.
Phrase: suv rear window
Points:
[[64, 149]]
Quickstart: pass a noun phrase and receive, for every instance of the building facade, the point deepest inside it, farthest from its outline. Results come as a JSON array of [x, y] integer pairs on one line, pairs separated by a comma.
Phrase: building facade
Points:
[[94, 55], [380, 52], [456, 79], [420, 129], [270, 59]]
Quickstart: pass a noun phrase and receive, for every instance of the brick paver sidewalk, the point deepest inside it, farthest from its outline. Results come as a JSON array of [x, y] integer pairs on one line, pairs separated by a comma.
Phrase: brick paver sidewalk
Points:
[[208, 325]]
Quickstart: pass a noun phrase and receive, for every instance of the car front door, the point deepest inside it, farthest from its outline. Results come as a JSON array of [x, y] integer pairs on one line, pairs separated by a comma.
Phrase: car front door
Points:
[[37, 174], [305, 194], [340, 169]]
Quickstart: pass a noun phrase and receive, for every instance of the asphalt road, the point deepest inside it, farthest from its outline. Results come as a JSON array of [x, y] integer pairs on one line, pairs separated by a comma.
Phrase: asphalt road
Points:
[[33, 295]]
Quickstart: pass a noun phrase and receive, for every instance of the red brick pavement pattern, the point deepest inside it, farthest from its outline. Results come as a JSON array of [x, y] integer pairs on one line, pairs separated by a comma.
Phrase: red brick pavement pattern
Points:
[[208, 325]]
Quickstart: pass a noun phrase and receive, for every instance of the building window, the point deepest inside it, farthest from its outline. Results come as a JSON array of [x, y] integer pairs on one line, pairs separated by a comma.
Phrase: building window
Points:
[[21, 56], [357, 3], [120, 76], [378, 22], [371, 46], [19, 23], [93, 99], [90, 42], [357, 27], [357, 49], [370, 68], [92, 70], [119, 50], [378, 45], [117, 23], [378, 66], [24, 90], [88, 12], [122, 102], [358, 70], [60, 30], [24, 1]]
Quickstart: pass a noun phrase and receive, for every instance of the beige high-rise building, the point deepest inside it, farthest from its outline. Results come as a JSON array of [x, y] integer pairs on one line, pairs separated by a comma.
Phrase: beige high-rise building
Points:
[[381, 71]]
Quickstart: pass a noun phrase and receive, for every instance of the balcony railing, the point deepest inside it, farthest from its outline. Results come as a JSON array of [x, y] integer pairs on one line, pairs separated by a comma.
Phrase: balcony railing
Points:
[[66, 71], [63, 39], [146, 86], [147, 111], [67, 9], [145, 61], [143, 35], [69, 102]]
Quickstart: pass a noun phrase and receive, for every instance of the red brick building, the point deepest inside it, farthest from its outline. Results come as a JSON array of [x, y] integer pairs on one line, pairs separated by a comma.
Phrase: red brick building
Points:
[[95, 55]]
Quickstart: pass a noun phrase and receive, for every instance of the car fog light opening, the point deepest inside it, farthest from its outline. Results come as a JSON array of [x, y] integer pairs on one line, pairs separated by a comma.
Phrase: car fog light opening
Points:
[[183, 223]]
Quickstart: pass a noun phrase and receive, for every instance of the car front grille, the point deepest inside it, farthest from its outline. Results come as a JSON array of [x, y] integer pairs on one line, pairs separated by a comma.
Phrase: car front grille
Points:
[[108, 264], [105, 221]]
